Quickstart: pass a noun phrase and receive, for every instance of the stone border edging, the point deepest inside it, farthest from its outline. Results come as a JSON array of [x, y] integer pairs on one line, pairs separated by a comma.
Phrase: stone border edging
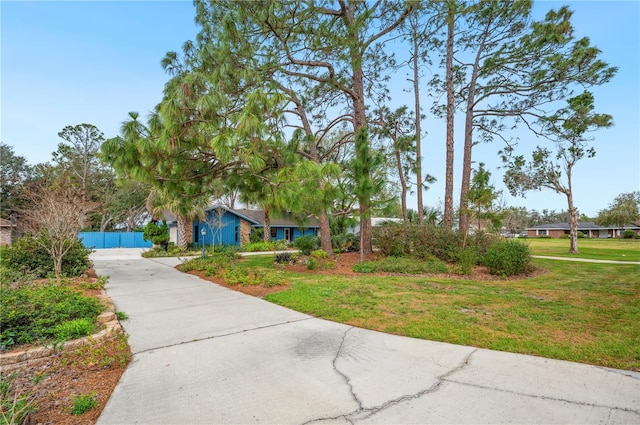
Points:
[[110, 328]]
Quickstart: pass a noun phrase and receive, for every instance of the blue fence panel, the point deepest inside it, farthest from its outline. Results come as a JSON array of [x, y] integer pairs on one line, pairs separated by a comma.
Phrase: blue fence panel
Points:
[[92, 239], [101, 240], [112, 240]]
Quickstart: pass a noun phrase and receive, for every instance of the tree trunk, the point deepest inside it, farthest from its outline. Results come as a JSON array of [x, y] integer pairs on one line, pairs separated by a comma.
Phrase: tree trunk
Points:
[[364, 200], [403, 186], [57, 265], [468, 141], [359, 124], [416, 93], [325, 233], [573, 228], [448, 192], [183, 232], [266, 235]]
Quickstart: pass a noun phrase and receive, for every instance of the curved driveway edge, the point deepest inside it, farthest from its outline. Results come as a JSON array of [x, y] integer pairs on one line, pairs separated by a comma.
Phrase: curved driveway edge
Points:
[[203, 354]]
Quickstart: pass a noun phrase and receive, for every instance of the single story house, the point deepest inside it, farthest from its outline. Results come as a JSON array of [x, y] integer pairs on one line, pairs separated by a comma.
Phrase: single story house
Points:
[[589, 228], [225, 226]]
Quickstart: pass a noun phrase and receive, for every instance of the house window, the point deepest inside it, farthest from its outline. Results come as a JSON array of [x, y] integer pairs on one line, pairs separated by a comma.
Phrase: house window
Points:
[[196, 233], [274, 233], [542, 232], [236, 235], [287, 234]]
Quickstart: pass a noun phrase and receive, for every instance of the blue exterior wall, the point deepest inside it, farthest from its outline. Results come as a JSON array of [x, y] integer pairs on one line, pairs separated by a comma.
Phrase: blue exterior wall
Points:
[[219, 232], [102, 240], [227, 230], [296, 232]]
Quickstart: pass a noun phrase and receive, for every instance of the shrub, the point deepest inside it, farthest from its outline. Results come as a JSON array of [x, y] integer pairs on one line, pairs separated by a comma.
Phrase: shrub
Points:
[[238, 275], [629, 234], [320, 260], [82, 403], [26, 256], [284, 258], [419, 241], [467, 258], [31, 313], [507, 258], [158, 235], [401, 265], [391, 239], [264, 246], [345, 242], [307, 243], [76, 328]]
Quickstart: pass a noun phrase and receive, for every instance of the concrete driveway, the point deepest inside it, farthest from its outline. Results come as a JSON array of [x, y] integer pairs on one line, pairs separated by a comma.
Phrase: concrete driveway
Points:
[[204, 354]]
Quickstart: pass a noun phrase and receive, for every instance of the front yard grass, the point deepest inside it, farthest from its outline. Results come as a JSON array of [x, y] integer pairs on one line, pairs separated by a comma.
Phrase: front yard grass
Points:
[[595, 249], [582, 312]]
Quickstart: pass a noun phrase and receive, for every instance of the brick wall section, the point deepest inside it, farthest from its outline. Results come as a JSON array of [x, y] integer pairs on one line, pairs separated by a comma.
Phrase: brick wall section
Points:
[[245, 232], [5, 236]]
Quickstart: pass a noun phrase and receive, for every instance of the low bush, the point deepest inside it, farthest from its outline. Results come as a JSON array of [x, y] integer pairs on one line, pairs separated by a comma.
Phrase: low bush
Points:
[[265, 246], [507, 258], [213, 264], [27, 256], [629, 234], [467, 258], [285, 258], [419, 241], [76, 328], [401, 265], [348, 242], [307, 243], [82, 403], [32, 313], [158, 235], [319, 259], [239, 275]]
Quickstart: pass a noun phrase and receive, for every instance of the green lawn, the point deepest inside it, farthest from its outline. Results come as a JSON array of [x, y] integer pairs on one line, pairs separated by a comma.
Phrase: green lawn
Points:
[[598, 249], [580, 312]]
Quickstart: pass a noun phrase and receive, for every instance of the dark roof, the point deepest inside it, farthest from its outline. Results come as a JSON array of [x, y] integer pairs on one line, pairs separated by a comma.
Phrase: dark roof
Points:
[[582, 225], [256, 218]]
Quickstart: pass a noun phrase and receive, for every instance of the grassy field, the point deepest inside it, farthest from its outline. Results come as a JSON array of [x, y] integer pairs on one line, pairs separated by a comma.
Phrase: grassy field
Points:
[[597, 249], [581, 312]]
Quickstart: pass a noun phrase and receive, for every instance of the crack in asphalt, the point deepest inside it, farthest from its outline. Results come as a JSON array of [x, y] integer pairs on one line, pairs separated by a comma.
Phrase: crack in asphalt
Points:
[[544, 397], [273, 325], [432, 389], [366, 412], [344, 376]]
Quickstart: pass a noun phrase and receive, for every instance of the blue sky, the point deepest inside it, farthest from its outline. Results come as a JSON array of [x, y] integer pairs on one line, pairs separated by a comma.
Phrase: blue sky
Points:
[[66, 63]]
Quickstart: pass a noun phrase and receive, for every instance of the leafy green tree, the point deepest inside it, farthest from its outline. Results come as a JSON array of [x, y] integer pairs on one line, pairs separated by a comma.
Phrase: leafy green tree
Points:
[[158, 235], [79, 154], [624, 209], [482, 199], [14, 173], [320, 48], [177, 177], [567, 128]]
